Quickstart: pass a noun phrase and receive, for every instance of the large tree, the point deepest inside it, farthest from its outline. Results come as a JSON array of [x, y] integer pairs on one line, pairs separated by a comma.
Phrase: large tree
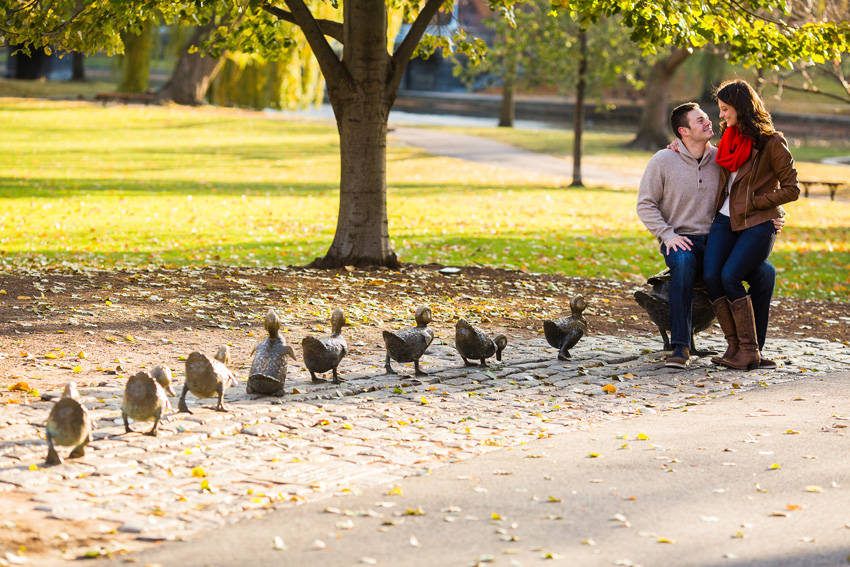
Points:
[[653, 130], [363, 76], [194, 71]]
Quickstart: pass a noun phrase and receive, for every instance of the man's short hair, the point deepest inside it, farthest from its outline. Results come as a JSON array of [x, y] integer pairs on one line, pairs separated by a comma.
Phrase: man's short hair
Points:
[[679, 117]]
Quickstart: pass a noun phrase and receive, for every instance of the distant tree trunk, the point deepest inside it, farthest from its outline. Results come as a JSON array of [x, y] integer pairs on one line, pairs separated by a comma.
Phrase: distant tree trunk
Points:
[[653, 131], [193, 73], [712, 66], [78, 69], [507, 112], [578, 114], [28, 67], [759, 86], [136, 63]]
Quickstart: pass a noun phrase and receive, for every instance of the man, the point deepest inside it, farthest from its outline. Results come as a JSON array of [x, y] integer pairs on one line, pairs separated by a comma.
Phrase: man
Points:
[[676, 203]]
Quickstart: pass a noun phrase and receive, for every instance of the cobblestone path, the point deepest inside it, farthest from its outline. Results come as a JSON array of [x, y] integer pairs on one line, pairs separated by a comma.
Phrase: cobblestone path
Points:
[[212, 468]]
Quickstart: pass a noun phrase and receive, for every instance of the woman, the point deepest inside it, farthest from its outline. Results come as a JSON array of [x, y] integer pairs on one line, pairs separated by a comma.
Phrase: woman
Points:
[[757, 177]]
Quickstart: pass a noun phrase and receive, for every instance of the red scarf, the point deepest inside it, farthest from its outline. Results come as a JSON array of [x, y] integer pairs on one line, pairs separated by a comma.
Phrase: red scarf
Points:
[[734, 149]]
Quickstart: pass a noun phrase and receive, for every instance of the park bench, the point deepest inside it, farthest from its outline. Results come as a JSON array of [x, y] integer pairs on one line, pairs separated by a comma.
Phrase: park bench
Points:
[[125, 98], [833, 187]]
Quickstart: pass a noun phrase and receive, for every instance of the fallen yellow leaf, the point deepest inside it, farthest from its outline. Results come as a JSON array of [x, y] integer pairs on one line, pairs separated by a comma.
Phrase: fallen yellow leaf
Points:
[[643, 436], [610, 388], [199, 472], [814, 488], [20, 387]]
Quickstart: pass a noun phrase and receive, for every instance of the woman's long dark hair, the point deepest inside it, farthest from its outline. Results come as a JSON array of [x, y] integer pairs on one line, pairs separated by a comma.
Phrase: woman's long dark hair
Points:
[[753, 118]]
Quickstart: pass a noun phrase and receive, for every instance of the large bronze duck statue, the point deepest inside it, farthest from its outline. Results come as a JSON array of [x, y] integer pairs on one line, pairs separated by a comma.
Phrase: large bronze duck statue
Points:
[[267, 376], [472, 342], [207, 378], [409, 345], [564, 333], [68, 425], [656, 303], [321, 355], [145, 399]]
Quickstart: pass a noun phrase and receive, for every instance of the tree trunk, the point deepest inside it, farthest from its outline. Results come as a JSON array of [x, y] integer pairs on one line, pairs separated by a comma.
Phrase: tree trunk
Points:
[[136, 63], [507, 111], [362, 107], [654, 130], [193, 73], [78, 68], [578, 114], [362, 235]]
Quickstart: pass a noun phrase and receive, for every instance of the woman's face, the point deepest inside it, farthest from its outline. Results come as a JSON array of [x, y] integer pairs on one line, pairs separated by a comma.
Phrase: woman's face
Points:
[[728, 114]]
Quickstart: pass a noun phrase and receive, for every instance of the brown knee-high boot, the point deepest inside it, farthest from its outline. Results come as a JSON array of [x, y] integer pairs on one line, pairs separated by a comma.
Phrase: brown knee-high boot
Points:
[[748, 356], [723, 311]]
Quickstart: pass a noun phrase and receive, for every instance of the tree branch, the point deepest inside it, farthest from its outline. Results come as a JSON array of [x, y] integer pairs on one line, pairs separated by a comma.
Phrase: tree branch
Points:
[[329, 27], [737, 5], [814, 91], [55, 31], [333, 70], [405, 51]]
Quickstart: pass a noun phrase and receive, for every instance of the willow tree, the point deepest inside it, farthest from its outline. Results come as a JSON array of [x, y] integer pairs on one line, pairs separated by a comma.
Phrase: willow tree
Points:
[[363, 75]]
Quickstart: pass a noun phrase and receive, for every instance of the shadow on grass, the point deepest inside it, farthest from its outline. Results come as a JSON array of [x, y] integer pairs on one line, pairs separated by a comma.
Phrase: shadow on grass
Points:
[[51, 187]]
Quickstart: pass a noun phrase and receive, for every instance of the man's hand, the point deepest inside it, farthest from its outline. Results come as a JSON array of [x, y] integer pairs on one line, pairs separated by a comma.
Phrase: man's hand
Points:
[[679, 243], [779, 224]]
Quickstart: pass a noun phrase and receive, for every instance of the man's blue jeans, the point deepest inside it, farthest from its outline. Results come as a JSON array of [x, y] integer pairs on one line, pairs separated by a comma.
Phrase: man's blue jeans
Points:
[[729, 257], [685, 265]]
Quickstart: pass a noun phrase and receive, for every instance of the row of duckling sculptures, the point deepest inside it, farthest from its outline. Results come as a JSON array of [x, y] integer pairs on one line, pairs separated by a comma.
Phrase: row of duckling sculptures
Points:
[[145, 396]]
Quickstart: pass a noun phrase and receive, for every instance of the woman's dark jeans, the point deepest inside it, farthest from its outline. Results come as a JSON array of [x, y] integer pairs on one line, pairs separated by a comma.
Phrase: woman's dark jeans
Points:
[[729, 260]]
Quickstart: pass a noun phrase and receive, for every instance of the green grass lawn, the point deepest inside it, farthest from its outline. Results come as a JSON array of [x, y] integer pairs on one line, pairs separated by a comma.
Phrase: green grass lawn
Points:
[[83, 185]]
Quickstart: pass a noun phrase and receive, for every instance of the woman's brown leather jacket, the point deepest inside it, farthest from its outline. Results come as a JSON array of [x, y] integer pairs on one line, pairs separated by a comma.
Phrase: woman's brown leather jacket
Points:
[[764, 183]]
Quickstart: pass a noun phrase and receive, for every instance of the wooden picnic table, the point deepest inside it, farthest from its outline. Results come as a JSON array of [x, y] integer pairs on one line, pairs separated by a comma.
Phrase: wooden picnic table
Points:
[[833, 186]]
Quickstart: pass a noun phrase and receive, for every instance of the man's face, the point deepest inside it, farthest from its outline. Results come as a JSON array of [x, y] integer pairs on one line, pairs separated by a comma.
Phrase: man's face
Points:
[[699, 126]]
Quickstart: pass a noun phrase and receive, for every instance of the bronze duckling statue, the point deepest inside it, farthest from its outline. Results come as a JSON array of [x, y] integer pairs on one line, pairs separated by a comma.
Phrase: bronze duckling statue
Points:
[[656, 303], [68, 425], [145, 399], [409, 345], [268, 371], [207, 377], [321, 355], [472, 342], [564, 333]]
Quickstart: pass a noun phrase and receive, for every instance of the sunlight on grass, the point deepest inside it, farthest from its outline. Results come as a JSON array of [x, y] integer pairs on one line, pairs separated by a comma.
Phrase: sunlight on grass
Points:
[[117, 186]]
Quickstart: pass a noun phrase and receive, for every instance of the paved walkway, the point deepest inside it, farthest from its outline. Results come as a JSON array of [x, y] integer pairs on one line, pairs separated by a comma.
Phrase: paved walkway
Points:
[[210, 468], [756, 479], [489, 152]]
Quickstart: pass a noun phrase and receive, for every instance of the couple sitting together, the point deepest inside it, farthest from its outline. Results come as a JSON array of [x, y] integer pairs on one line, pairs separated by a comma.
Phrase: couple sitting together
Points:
[[716, 212]]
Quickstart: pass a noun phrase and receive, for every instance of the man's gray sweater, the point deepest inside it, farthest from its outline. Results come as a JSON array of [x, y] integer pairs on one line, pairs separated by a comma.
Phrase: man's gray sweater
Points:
[[677, 193]]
